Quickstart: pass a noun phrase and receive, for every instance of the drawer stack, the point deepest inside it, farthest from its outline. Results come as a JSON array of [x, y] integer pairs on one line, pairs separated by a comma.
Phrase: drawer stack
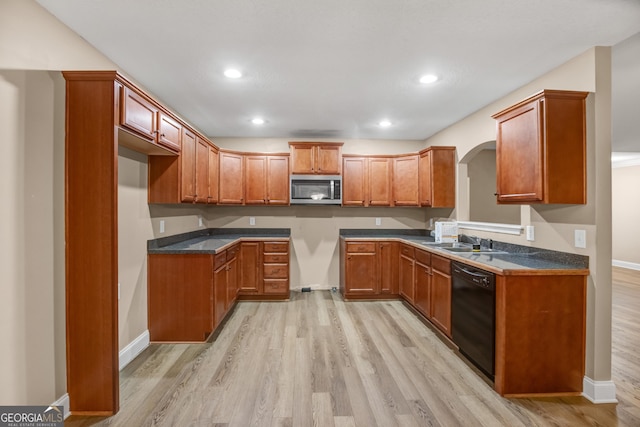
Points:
[[275, 270]]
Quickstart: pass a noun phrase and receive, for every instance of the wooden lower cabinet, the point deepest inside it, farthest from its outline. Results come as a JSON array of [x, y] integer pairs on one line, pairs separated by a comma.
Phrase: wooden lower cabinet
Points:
[[369, 270], [441, 293], [422, 296], [540, 334], [407, 273], [264, 270], [180, 297]]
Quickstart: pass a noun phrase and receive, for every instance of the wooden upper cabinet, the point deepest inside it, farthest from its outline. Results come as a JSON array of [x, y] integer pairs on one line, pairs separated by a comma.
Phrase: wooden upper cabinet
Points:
[[278, 180], [366, 181], [188, 166], [437, 173], [142, 117], [138, 114], [266, 179], [354, 181], [379, 181], [202, 171], [255, 180], [541, 149], [169, 132], [316, 158], [231, 178], [405, 180], [213, 175]]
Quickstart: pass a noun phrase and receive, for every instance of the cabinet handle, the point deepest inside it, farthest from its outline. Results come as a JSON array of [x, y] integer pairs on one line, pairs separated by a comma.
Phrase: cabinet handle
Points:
[[162, 135]]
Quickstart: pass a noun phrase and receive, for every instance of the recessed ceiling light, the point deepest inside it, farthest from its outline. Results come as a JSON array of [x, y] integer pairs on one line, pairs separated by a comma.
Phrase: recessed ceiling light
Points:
[[384, 123], [428, 78], [258, 121], [232, 73]]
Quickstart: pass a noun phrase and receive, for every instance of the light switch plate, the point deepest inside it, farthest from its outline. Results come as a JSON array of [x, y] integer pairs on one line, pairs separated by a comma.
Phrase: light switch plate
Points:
[[199, 221], [162, 225], [378, 221], [252, 220], [531, 234], [580, 237]]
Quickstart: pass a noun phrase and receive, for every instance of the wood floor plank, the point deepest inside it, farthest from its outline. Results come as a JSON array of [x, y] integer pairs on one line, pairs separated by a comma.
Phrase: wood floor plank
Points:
[[317, 360]]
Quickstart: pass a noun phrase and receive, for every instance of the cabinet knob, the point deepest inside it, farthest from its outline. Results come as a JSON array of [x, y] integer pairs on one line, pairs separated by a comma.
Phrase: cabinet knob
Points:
[[162, 135], [496, 194]]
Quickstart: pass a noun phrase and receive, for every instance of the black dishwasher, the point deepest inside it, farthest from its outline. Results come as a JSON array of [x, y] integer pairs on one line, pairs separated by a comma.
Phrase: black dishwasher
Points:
[[473, 315]]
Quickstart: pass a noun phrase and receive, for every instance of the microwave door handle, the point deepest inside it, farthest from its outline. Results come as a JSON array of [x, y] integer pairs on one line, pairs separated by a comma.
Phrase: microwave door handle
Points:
[[331, 190]]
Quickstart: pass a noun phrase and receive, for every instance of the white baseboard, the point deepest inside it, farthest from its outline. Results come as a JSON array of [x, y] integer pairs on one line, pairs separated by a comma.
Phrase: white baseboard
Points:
[[64, 402], [599, 391], [133, 349], [625, 264]]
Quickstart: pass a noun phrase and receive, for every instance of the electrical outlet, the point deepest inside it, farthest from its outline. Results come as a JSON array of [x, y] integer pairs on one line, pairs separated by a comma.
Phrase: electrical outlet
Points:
[[580, 238], [531, 234], [162, 225], [378, 221], [252, 220], [200, 221], [118, 291]]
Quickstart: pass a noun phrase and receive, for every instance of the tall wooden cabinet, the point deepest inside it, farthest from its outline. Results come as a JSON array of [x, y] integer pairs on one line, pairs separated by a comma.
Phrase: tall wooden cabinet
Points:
[[541, 149], [320, 158]]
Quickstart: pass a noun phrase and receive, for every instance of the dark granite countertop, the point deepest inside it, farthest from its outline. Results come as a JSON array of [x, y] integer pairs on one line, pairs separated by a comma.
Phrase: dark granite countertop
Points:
[[212, 240], [509, 259]]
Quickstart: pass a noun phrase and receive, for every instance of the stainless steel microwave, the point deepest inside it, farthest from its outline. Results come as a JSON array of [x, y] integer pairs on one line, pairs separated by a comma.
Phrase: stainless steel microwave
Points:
[[316, 189]]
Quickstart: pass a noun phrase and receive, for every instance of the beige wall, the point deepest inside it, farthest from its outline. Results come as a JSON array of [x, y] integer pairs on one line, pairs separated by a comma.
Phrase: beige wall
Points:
[[626, 205], [481, 178], [33, 47]]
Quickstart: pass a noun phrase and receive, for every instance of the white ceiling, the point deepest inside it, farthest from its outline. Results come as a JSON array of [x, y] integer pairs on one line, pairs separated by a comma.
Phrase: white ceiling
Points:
[[335, 68]]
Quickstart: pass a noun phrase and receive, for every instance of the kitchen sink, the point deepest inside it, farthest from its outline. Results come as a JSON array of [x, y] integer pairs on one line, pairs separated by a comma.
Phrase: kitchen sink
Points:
[[469, 249], [447, 245]]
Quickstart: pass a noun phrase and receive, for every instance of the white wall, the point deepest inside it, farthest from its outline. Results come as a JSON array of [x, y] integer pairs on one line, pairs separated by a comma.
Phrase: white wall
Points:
[[625, 207]]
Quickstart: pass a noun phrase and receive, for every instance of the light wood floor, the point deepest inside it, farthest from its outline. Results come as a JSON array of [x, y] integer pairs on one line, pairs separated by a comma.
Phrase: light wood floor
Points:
[[319, 361]]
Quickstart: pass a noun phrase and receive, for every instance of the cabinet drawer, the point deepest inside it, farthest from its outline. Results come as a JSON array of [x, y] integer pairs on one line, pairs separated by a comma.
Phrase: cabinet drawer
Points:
[[276, 271], [276, 286], [423, 257], [276, 247], [441, 264], [407, 251], [219, 260], [232, 252], [361, 247], [276, 258]]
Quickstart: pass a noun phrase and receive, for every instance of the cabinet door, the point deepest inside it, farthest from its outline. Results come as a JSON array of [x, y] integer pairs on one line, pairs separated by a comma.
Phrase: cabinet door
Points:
[[328, 160], [139, 115], [170, 131], [423, 289], [361, 273], [278, 180], [407, 278], [233, 277], [202, 171], [379, 182], [250, 262], [388, 261], [302, 158], [255, 179], [220, 293], [443, 177], [519, 155], [441, 293], [424, 172], [231, 179], [213, 175], [188, 166], [405, 181], [354, 187]]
